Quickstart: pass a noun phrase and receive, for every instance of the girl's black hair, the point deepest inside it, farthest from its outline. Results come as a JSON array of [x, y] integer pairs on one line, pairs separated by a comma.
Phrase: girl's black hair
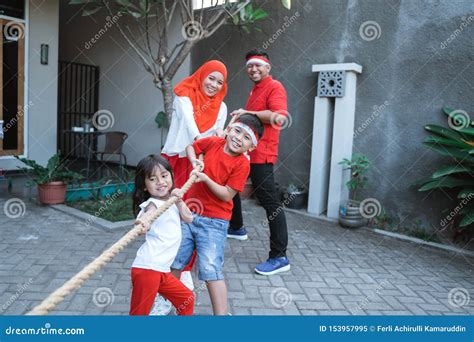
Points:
[[145, 169]]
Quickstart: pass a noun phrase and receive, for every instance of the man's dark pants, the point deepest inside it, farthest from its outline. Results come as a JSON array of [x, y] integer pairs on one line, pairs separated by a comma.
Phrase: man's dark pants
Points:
[[263, 181]]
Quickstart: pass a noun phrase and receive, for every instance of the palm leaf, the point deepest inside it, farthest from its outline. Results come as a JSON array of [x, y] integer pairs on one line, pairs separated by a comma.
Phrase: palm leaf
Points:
[[448, 142], [443, 131], [450, 170], [446, 182]]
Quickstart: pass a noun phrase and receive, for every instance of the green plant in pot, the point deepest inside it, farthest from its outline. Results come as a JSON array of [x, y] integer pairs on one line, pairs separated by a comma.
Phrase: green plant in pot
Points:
[[350, 213], [51, 180]]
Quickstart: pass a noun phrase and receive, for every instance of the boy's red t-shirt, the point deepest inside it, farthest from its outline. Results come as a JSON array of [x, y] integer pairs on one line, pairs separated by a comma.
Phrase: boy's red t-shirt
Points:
[[222, 169]]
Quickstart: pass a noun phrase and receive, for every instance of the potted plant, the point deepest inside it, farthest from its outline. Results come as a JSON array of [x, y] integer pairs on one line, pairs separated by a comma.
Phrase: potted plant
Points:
[[295, 197], [456, 143], [51, 180], [350, 213]]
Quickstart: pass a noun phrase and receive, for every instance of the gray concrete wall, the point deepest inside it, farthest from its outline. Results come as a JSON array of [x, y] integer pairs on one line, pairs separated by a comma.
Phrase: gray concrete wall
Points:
[[420, 60], [126, 88]]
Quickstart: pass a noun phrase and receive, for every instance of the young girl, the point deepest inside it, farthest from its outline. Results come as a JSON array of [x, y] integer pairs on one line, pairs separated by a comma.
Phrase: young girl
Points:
[[154, 184]]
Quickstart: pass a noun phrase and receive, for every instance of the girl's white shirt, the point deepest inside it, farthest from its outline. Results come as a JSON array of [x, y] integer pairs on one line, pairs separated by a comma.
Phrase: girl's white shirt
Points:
[[183, 129], [161, 241]]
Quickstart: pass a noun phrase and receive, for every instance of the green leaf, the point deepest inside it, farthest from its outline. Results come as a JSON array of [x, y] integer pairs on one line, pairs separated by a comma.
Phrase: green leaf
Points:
[[161, 120], [466, 130], [450, 151], [450, 170], [78, 2], [88, 12], [443, 131], [467, 219], [448, 110], [286, 4], [466, 193], [446, 182], [125, 3], [259, 14], [448, 142]]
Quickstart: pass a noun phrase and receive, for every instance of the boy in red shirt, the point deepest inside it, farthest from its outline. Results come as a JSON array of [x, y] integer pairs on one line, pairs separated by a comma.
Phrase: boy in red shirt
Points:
[[224, 175]]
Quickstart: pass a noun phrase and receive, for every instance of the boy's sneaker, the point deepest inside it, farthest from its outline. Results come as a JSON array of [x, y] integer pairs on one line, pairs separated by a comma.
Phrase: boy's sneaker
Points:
[[238, 234], [273, 266], [161, 307], [187, 280]]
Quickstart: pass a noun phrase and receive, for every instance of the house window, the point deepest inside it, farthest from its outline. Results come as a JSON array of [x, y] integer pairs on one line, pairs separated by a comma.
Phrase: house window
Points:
[[12, 54], [200, 4], [12, 8]]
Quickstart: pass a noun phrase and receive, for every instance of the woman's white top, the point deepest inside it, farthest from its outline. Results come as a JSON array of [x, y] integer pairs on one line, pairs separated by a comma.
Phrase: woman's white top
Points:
[[162, 240], [183, 129]]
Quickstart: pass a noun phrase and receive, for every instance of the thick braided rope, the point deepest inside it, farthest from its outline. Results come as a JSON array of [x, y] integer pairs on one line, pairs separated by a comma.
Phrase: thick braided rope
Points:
[[75, 282]]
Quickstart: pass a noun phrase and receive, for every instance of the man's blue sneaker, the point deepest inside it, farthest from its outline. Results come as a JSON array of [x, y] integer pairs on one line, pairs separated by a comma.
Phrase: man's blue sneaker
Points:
[[273, 266], [238, 234]]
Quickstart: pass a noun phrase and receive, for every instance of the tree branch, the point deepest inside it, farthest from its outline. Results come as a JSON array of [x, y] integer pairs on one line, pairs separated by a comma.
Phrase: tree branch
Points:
[[145, 62], [179, 59]]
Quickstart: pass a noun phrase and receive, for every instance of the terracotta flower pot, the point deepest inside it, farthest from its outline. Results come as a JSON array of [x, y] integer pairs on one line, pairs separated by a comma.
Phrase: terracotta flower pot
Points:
[[52, 193]]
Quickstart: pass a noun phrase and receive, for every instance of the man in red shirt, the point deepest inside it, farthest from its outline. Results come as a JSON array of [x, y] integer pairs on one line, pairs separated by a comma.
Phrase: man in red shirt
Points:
[[267, 101]]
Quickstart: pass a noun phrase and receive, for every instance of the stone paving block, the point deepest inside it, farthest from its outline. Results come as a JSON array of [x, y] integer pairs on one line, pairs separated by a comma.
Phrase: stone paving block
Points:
[[266, 311], [334, 270], [248, 303], [310, 312], [334, 312], [333, 302], [311, 305]]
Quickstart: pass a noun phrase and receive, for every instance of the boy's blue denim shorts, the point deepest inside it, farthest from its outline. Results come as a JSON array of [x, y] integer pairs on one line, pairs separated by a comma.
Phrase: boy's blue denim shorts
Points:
[[208, 237]]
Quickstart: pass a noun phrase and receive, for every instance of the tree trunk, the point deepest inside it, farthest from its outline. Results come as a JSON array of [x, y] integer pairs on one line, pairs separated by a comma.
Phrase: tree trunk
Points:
[[167, 92]]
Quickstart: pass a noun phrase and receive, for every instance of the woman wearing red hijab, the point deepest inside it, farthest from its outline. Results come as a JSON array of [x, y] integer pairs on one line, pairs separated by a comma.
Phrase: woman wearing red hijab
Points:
[[198, 112]]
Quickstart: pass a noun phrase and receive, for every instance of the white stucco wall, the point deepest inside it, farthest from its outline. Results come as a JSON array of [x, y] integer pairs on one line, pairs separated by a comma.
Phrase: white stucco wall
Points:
[[126, 88], [40, 84]]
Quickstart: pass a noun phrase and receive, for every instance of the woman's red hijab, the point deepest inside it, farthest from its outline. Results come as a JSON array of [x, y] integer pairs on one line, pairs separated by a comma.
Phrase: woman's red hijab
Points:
[[206, 109]]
